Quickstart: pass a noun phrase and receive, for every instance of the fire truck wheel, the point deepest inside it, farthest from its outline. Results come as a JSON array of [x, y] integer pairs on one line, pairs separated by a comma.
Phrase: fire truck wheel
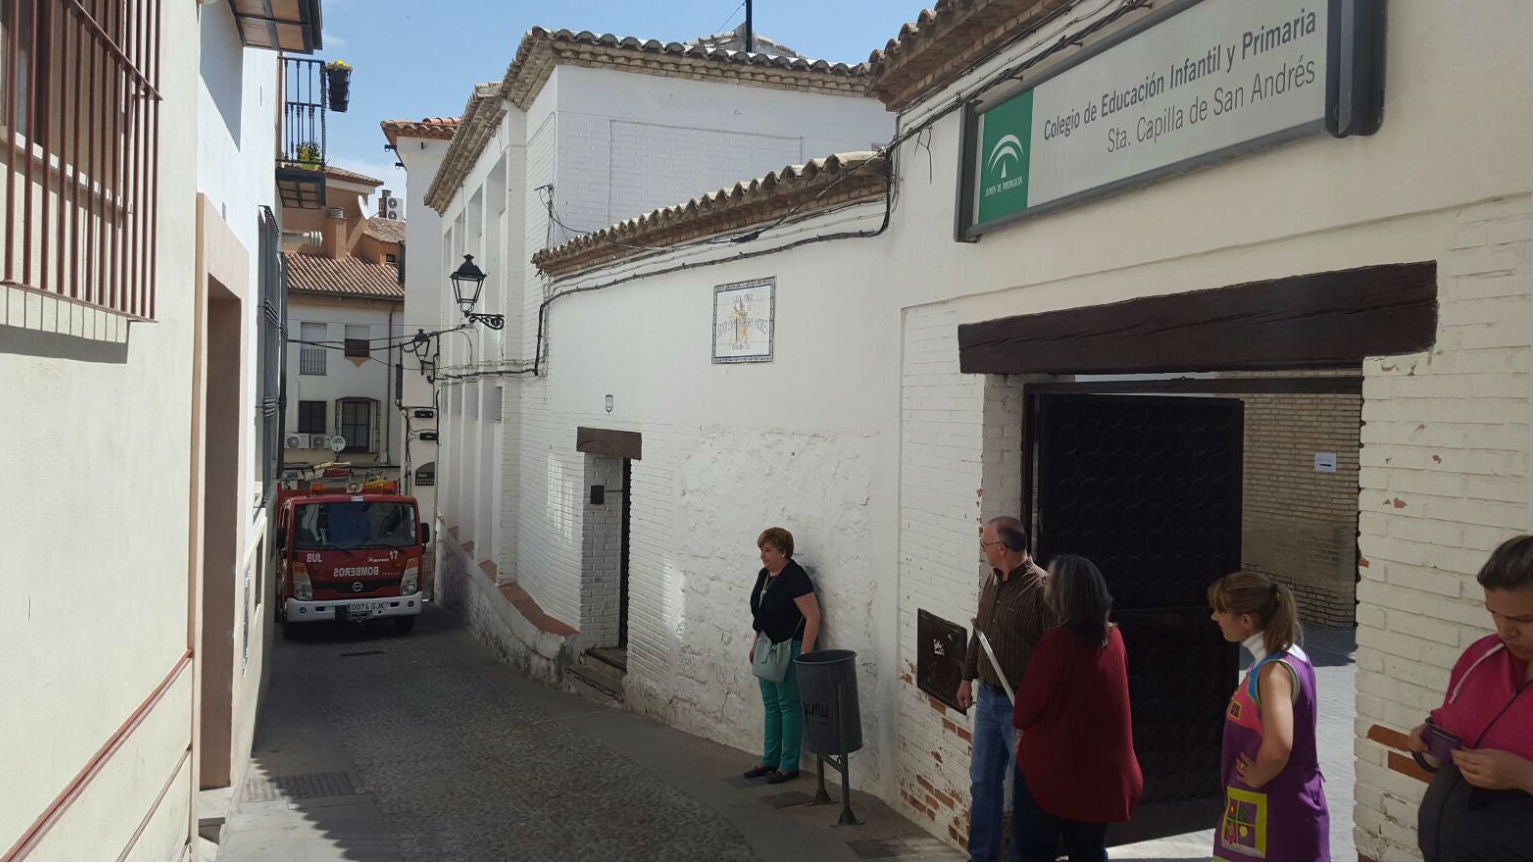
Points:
[[403, 625]]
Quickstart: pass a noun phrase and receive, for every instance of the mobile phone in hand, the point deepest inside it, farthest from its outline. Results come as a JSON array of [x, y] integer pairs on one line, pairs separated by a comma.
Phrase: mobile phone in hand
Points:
[[1440, 743]]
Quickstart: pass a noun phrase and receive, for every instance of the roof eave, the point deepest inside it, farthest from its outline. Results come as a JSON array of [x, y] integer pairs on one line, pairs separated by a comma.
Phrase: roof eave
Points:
[[946, 41], [797, 190]]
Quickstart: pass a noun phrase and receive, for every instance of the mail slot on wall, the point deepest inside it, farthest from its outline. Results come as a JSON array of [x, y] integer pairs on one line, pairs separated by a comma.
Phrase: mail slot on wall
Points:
[[940, 648]]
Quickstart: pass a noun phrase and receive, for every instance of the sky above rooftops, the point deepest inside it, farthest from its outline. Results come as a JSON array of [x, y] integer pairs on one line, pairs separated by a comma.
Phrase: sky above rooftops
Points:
[[413, 59]]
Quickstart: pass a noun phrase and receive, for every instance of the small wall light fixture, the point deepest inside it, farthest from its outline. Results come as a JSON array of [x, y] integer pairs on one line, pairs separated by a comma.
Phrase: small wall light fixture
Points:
[[609, 403], [467, 281]]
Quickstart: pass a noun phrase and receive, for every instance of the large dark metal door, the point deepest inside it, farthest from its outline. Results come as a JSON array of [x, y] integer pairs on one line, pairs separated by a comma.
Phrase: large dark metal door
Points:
[[1149, 489], [622, 601]]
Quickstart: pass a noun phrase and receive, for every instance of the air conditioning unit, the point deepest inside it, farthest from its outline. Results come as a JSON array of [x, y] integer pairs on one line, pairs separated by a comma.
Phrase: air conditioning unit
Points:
[[388, 207], [319, 441], [296, 441]]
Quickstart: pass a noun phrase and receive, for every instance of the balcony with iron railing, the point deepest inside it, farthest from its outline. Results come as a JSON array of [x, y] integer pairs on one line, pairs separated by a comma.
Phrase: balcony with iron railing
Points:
[[311, 90]]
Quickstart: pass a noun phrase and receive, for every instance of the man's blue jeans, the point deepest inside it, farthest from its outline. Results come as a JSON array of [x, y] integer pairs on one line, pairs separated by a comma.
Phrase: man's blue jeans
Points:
[[994, 758]]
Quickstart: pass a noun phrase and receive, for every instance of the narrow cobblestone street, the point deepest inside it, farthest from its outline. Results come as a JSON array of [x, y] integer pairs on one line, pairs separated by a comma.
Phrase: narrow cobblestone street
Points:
[[426, 747]]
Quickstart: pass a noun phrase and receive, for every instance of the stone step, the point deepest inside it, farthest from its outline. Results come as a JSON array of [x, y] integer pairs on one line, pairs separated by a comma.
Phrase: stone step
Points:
[[599, 676], [617, 657]]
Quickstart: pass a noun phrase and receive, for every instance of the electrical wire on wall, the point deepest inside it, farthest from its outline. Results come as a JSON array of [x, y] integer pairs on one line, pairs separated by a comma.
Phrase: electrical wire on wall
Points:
[[1100, 15]]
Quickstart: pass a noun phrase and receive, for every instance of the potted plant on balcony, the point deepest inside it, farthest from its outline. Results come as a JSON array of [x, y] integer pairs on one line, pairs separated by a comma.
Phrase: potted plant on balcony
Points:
[[309, 156], [338, 77]]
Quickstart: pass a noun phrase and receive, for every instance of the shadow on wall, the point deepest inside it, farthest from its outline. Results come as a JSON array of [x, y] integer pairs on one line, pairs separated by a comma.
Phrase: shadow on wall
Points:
[[63, 346], [223, 64]]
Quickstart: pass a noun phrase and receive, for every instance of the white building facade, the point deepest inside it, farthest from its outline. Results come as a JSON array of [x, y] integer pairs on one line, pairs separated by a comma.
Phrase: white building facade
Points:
[[420, 146], [139, 632], [526, 169], [1353, 314]]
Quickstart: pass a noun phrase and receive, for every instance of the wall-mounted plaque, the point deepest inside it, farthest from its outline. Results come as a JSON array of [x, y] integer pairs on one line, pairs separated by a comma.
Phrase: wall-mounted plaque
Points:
[[940, 647], [743, 314]]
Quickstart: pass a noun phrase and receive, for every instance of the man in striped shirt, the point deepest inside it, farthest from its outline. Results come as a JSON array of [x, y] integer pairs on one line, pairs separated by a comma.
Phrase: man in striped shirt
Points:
[[1013, 615]]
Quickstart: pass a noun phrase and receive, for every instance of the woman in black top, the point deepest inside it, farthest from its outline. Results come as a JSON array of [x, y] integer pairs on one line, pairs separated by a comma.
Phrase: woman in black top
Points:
[[783, 612]]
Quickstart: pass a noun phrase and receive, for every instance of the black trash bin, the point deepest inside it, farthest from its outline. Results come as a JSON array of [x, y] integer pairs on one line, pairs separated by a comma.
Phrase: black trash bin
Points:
[[820, 675]]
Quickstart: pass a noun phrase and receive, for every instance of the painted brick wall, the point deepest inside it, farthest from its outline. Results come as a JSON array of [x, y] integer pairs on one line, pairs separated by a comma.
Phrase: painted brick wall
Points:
[[701, 497], [653, 165], [601, 547], [948, 423], [1444, 480], [1299, 525], [552, 510]]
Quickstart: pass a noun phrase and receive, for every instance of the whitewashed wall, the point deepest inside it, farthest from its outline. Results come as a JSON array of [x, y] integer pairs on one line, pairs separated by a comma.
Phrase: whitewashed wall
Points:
[[425, 274], [345, 377], [96, 575], [1445, 442], [729, 450], [238, 101], [628, 144]]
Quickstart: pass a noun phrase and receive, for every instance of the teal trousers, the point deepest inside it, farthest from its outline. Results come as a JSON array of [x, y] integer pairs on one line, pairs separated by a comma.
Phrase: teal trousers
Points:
[[784, 718]]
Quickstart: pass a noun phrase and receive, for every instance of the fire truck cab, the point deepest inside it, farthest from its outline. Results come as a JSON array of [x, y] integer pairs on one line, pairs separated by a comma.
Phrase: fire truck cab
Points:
[[349, 551]]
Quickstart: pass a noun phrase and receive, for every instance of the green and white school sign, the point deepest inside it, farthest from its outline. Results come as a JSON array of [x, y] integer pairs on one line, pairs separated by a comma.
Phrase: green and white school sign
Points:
[[1008, 149], [1196, 83]]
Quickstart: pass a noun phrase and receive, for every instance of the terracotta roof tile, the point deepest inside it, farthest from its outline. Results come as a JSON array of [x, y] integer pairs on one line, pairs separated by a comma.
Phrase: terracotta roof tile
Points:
[[348, 276], [796, 190], [734, 40], [351, 176], [946, 40], [438, 128], [385, 230], [481, 117], [541, 50]]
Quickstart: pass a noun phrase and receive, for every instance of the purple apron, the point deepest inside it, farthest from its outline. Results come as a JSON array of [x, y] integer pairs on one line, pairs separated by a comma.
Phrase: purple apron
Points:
[[1287, 819]]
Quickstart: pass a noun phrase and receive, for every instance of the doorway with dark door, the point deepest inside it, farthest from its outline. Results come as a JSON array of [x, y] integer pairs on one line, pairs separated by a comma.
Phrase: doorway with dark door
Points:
[[1149, 488], [607, 515]]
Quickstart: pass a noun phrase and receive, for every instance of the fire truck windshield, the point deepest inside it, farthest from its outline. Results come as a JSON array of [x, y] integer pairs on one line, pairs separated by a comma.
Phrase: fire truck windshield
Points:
[[355, 524]]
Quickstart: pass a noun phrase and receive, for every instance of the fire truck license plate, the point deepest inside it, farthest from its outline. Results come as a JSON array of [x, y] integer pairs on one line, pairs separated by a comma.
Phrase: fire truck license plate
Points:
[[365, 609]]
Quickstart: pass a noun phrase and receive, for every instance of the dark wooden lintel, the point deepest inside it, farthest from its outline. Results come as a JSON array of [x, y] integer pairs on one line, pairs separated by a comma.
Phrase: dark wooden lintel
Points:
[[623, 444], [1322, 320], [1344, 385]]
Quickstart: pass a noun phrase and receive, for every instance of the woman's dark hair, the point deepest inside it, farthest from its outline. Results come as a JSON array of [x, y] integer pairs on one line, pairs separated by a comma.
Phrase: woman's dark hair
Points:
[[778, 538], [1078, 593], [1510, 566], [1272, 604]]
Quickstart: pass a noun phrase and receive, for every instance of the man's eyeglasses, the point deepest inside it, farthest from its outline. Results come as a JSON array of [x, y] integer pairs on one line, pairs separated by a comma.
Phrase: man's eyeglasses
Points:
[[985, 545]]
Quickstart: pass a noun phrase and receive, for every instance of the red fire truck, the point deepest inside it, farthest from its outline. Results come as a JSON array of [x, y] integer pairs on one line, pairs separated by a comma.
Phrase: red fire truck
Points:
[[350, 550]]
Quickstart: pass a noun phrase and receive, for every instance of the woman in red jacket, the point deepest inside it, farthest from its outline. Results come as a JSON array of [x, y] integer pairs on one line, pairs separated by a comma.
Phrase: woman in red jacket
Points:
[[1076, 770]]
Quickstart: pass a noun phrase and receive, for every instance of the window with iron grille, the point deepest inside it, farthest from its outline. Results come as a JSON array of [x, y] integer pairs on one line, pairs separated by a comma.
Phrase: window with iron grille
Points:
[[80, 100], [311, 356], [356, 340], [311, 417]]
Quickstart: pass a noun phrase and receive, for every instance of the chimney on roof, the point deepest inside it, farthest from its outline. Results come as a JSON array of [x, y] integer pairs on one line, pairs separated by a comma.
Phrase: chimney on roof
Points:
[[335, 233]]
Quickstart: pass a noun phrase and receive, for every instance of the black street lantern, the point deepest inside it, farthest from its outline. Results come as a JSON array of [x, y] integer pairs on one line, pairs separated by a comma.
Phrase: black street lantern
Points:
[[467, 280]]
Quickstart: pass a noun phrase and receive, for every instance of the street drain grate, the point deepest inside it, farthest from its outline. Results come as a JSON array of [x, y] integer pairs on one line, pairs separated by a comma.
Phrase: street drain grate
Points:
[[788, 798], [364, 653], [265, 789]]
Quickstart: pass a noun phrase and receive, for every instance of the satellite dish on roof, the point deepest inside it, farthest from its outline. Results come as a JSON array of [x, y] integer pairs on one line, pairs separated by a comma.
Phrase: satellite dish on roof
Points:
[[337, 443]]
